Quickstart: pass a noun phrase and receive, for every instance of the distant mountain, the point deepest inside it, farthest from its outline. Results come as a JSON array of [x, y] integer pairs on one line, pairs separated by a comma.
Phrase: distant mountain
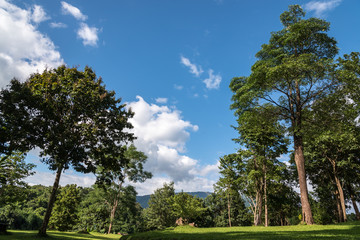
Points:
[[144, 200]]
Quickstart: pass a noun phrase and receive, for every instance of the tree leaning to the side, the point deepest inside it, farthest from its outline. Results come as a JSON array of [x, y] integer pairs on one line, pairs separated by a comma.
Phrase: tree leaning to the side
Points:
[[76, 122], [294, 69]]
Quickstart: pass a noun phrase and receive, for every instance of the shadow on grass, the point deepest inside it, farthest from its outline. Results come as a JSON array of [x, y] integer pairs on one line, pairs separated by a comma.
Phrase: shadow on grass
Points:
[[52, 235], [352, 231]]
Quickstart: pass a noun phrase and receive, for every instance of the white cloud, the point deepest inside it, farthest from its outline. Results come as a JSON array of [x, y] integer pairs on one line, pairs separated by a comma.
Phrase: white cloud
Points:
[[48, 178], [196, 70], [58, 25], [74, 11], [213, 82], [89, 35], [321, 7], [155, 124], [38, 14], [23, 49], [178, 87], [161, 100], [161, 135]]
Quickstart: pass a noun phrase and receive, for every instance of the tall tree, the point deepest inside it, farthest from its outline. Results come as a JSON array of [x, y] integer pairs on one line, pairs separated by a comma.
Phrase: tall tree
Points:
[[231, 167], [294, 69], [131, 168], [75, 122], [264, 137]]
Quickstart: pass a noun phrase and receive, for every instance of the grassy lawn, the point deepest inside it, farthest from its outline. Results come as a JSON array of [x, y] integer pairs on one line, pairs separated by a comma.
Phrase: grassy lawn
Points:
[[340, 231], [31, 235]]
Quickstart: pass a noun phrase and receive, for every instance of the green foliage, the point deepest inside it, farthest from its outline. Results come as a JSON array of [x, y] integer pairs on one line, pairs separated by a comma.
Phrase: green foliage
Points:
[[94, 211], [13, 170], [217, 204], [65, 211], [159, 214], [27, 212], [186, 206]]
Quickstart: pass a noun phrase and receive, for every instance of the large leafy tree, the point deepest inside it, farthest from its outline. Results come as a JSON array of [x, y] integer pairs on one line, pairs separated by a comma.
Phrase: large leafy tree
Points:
[[292, 71], [75, 122]]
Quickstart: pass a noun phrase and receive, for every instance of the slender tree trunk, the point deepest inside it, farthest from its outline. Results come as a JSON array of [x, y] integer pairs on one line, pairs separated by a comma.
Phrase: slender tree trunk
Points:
[[258, 212], [355, 207], [112, 214], [339, 189], [341, 197], [338, 205], [42, 230], [114, 207], [229, 208], [304, 196], [265, 196], [353, 200]]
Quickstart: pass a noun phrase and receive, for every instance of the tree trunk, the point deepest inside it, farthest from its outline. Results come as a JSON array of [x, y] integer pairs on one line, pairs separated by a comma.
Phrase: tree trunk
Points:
[[114, 207], [341, 197], [355, 207], [265, 196], [353, 200], [42, 230], [258, 208], [339, 189], [338, 205], [300, 165], [112, 215], [229, 208]]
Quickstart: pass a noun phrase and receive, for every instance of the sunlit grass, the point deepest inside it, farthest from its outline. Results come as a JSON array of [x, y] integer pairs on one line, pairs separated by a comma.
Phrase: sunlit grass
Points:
[[341, 231], [349, 230]]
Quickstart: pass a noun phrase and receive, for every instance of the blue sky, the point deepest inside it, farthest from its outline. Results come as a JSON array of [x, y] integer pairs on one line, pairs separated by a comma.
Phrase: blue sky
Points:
[[170, 61]]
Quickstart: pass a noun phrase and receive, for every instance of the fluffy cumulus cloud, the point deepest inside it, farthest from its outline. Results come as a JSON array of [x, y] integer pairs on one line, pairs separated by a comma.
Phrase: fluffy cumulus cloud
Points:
[[162, 134], [321, 7], [194, 69], [23, 48], [73, 11], [213, 81], [89, 35]]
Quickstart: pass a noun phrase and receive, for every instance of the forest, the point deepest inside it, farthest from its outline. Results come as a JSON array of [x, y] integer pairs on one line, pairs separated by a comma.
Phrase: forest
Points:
[[301, 102]]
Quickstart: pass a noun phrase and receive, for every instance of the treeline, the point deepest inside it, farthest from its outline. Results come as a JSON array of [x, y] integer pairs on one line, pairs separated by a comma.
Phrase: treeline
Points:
[[236, 201]]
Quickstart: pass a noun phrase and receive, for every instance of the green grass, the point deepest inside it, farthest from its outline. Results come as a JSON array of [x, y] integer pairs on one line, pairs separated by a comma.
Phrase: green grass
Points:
[[349, 230], [32, 235], [340, 231]]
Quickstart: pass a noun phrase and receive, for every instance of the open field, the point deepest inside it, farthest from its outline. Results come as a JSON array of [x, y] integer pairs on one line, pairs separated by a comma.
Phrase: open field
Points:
[[340, 231], [32, 235], [344, 231]]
